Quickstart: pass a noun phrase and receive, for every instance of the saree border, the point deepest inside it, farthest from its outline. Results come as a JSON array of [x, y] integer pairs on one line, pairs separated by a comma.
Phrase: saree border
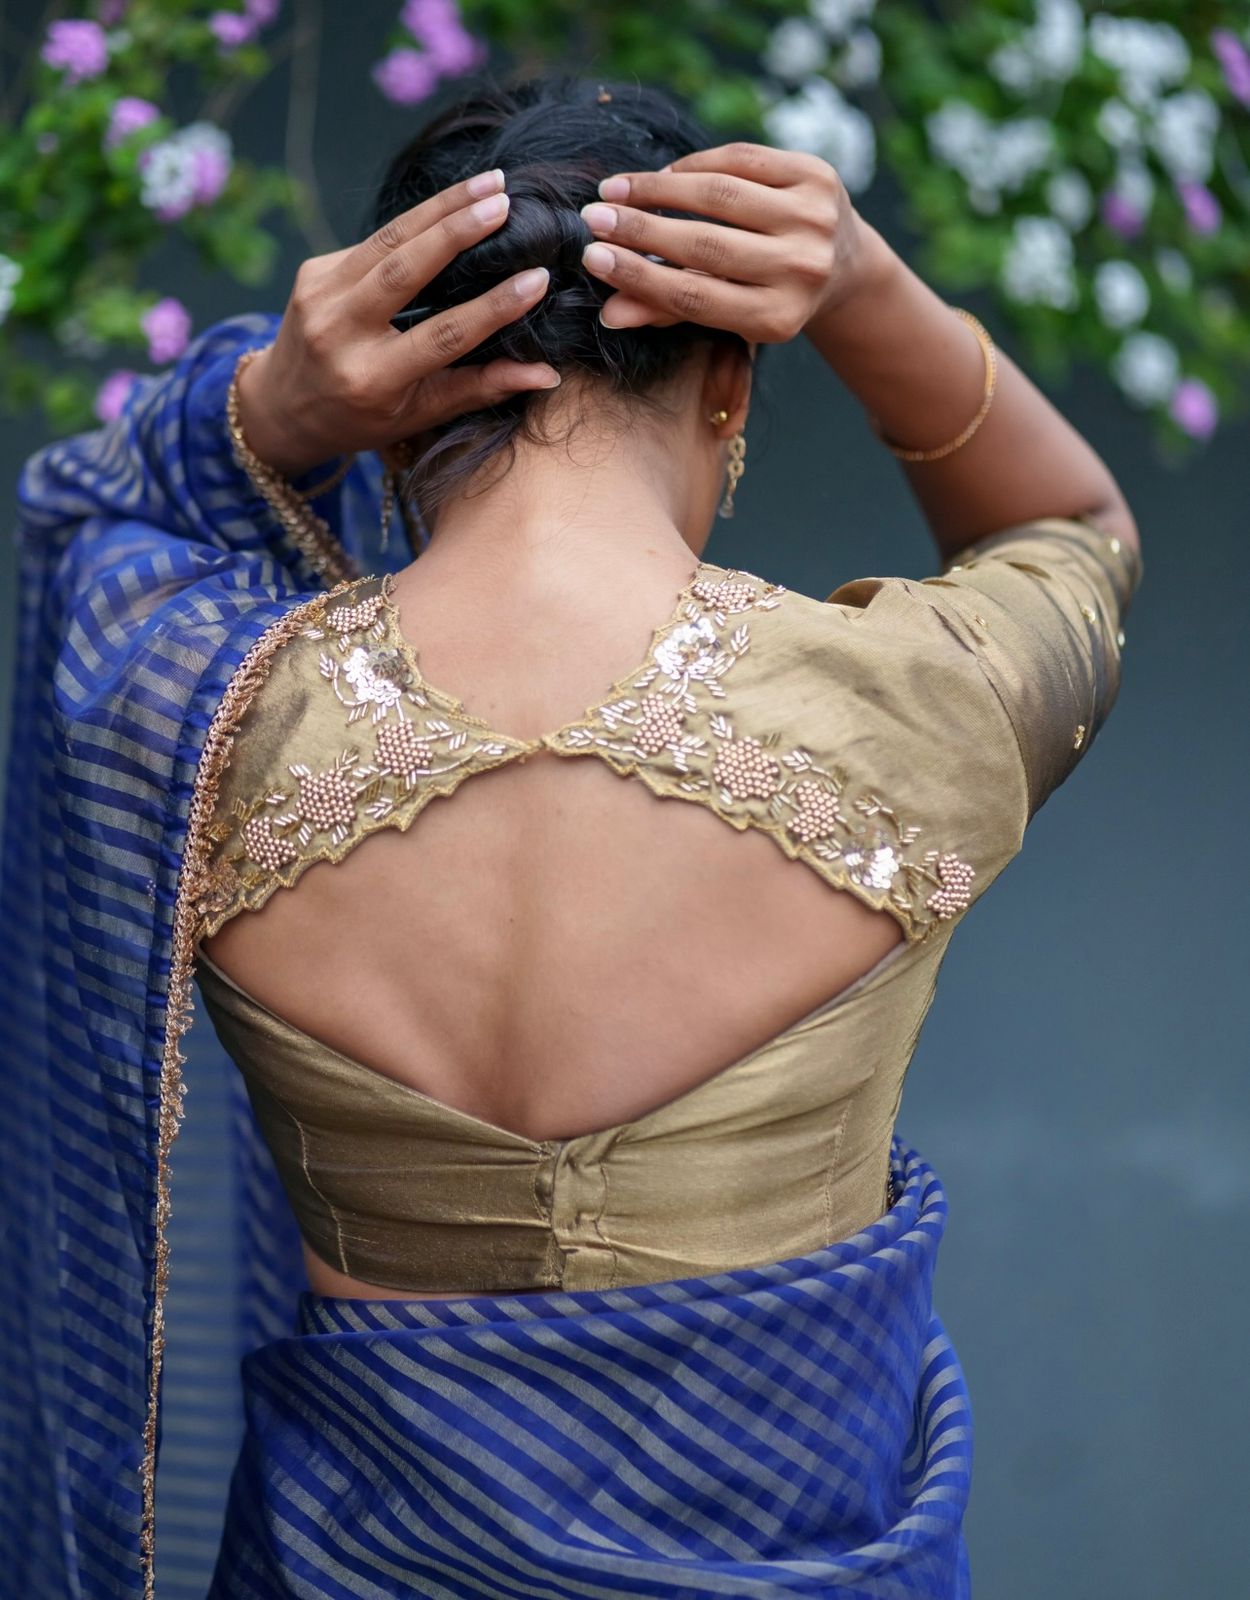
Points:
[[237, 696]]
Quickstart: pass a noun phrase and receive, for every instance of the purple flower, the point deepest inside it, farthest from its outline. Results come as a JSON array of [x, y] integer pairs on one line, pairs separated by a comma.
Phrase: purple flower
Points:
[[262, 12], [111, 12], [1202, 209], [78, 48], [232, 28], [111, 395], [211, 167], [436, 24], [167, 326], [406, 76], [1194, 408], [128, 115], [1234, 58], [1121, 215]]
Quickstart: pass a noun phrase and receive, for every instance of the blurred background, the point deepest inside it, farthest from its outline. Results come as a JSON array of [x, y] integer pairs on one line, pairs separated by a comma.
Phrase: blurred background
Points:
[[1077, 175]]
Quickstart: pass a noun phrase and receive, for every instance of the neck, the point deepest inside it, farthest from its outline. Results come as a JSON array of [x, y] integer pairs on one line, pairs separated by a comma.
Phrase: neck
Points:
[[600, 504]]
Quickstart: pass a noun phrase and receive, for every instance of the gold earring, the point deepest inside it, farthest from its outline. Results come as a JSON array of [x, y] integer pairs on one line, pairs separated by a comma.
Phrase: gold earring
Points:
[[737, 466]]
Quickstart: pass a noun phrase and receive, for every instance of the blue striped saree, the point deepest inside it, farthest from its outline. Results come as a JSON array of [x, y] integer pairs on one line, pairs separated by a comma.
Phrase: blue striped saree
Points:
[[179, 1416]]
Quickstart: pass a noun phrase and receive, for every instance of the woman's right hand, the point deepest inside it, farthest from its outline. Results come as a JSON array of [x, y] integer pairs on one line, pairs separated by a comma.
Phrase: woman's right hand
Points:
[[339, 377]]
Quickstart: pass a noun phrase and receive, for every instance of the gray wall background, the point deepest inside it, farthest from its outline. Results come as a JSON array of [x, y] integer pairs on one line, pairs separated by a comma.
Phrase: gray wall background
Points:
[[1081, 1080]]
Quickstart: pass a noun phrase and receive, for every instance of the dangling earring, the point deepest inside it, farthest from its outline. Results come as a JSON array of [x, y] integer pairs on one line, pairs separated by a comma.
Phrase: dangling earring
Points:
[[390, 489], [737, 469]]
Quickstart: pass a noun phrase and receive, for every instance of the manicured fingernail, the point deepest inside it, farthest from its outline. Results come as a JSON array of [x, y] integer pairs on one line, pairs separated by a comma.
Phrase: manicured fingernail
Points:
[[488, 210], [531, 282], [608, 322], [601, 219], [598, 257], [486, 182], [614, 189], [553, 382]]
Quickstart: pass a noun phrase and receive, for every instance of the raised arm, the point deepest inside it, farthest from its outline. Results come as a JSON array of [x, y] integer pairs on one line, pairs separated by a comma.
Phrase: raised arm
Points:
[[796, 258]]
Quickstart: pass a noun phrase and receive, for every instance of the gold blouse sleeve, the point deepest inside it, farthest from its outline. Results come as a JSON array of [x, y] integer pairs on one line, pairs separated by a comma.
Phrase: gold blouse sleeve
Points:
[[1041, 606]]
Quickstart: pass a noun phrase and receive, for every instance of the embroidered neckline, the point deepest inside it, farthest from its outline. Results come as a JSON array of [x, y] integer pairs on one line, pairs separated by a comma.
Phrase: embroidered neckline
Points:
[[686, 595]]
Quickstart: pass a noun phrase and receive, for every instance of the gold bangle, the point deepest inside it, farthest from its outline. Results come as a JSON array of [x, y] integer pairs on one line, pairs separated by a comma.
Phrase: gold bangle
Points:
[[310, 533], [991, 381]]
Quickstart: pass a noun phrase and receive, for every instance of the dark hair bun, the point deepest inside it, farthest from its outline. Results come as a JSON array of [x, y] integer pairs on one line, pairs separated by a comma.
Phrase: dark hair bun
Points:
[[555, 137]]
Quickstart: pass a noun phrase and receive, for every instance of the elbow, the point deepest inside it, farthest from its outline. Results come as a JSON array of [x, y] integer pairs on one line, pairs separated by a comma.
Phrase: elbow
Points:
[[1112, 515]]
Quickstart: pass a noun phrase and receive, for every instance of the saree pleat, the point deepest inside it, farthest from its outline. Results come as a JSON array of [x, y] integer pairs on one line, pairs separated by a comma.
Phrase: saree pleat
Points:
[[797, 1428]]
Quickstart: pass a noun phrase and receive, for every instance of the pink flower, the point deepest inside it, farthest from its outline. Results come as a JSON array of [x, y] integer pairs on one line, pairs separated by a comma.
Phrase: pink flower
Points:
[[111, 12], [232, 28], [212, 169], [128, 115], [78, 48], [1194, 408], [1234, 58], [1202, 209], [262, 12], [406, 76], [167, 326], [1121, 215], [436, 24], [111, 395]]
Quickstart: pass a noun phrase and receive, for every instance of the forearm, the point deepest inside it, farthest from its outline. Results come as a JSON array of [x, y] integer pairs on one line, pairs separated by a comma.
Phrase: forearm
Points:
[[919, 369]]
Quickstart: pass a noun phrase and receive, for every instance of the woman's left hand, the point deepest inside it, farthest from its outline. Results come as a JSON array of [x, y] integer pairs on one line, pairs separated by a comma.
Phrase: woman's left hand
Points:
[[795, 245]]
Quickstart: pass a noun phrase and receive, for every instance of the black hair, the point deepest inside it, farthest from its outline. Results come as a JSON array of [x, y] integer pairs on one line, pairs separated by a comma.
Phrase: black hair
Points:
[[555, 137]]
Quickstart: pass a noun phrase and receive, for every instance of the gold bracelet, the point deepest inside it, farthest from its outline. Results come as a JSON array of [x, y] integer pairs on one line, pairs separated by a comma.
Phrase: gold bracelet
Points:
[[332, 482], [310, 533], [991, 381]]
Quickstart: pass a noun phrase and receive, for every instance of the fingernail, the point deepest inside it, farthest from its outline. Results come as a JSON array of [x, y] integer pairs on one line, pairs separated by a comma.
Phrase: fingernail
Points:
[[553, 382], [608, 323], [488, 210], [486, 182], [531, 282], [602, 219], [598, 257], [614, 189]]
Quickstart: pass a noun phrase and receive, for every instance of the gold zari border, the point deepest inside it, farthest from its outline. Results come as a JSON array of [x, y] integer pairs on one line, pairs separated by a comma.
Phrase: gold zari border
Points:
[[239, 693]]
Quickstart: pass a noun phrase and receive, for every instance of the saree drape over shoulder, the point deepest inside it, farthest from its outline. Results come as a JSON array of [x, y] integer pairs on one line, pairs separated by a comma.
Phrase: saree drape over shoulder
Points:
[[712, 1389]]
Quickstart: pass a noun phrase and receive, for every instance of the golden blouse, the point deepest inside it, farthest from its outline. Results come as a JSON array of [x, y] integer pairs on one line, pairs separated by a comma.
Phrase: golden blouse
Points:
[[895, 738]]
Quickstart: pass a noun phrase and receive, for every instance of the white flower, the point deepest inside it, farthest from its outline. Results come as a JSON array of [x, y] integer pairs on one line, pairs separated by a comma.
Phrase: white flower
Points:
[[10, 277], [1038, 264], [1147, 368], [1121, 293], [1175, 271], [369, 685], [169, 176], [819, 120], [860, 65], [838, 17], [1119, 125], [1070, 198], [1183, 134], [796, 49], [991, 157], [1149, 56], [1048, 52], [1135, 183]]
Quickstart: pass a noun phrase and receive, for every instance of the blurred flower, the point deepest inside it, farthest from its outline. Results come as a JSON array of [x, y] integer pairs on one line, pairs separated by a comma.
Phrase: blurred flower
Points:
[[1038, 264], [1120, 215], [111, 395], [10, 277], [1234, 60], [111, 12], [128, 115], [1146, 367], [1121, 294], [406, 76], [819, 120], [212, 159], [190, 168], [796, 49], [1126, 205], [232, 28], [436, 24], [1175, 271], [1070, 198], [1202, 209], [1183, 133], [1149, 56], [167, 328], [838, 17], [1119, 125], [78, 48], [1048, 52], [47, 143], [860, 64], [262, 12], [991, 157], [1194, 408]]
